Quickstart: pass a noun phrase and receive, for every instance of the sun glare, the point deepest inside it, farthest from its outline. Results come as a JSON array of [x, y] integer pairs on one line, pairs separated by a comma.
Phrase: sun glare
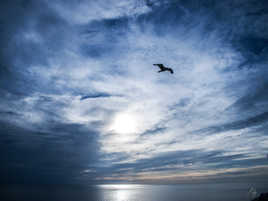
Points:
[[122, 195], [124, 123]]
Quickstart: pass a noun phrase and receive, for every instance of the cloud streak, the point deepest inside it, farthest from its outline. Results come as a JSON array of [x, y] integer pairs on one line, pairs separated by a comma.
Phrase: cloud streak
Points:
[[69, 72]]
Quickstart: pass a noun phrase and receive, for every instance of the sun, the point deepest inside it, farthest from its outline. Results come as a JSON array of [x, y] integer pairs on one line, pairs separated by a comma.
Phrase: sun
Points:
[[124, 123]]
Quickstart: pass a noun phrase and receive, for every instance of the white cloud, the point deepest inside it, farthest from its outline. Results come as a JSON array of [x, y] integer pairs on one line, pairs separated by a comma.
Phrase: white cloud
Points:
[[86, 11], [145, 99], [145, 95]]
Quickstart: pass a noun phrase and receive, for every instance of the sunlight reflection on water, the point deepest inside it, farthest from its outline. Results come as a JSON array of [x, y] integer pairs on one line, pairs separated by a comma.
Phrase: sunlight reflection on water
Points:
[[120, 186], [189, 192], [121, 192]]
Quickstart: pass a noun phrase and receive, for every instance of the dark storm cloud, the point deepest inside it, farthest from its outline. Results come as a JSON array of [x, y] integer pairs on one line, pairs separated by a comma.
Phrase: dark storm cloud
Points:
[[36, 157], [259, 12], [254, 49]]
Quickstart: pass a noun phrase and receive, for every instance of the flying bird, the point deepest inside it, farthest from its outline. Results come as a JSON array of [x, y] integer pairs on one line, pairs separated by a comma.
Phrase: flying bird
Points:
[[163, 68]]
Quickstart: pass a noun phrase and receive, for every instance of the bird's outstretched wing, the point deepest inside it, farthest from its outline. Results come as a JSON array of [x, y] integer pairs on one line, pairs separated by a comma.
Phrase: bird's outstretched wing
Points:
[[171, 70], [161, 66]]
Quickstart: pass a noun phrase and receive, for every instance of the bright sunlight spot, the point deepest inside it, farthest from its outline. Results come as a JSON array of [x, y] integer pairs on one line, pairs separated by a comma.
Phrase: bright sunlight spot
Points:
[[124, 123]]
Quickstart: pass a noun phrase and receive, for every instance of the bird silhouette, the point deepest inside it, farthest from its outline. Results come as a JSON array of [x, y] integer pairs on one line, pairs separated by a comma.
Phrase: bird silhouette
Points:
[[163, 68]]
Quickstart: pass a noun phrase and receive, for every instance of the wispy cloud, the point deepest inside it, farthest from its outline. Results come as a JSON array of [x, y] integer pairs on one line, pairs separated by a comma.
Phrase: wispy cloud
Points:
[[99, 95], [79, 78]]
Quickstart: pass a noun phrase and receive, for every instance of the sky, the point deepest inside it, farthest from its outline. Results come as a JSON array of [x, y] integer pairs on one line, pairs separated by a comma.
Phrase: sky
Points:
[[82, 103]]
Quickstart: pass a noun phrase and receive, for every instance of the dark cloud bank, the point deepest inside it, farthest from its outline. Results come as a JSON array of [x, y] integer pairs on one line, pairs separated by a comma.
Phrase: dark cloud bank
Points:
[[63, 153]]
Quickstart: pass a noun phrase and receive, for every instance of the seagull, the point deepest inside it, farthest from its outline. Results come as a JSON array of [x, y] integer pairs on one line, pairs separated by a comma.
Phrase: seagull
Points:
[[163, 68]]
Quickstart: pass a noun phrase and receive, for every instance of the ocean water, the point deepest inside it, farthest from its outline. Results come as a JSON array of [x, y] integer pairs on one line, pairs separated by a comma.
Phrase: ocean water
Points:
[[134, 192]]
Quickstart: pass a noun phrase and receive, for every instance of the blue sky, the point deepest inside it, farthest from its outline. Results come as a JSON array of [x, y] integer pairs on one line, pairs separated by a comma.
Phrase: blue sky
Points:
[[82, 103]]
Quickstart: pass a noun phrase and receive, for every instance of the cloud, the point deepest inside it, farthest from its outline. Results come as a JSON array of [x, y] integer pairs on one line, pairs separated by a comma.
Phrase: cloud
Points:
[[253, 121], [69, 70], [100, 95], [52, 157], [108, 9]]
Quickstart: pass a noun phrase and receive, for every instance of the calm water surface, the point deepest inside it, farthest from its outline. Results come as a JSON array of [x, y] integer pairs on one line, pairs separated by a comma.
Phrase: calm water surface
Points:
[[130, 192], [183, 192]]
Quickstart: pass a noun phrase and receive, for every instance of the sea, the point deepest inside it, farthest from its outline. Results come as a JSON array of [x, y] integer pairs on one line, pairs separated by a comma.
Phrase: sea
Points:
[[137, 192]]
